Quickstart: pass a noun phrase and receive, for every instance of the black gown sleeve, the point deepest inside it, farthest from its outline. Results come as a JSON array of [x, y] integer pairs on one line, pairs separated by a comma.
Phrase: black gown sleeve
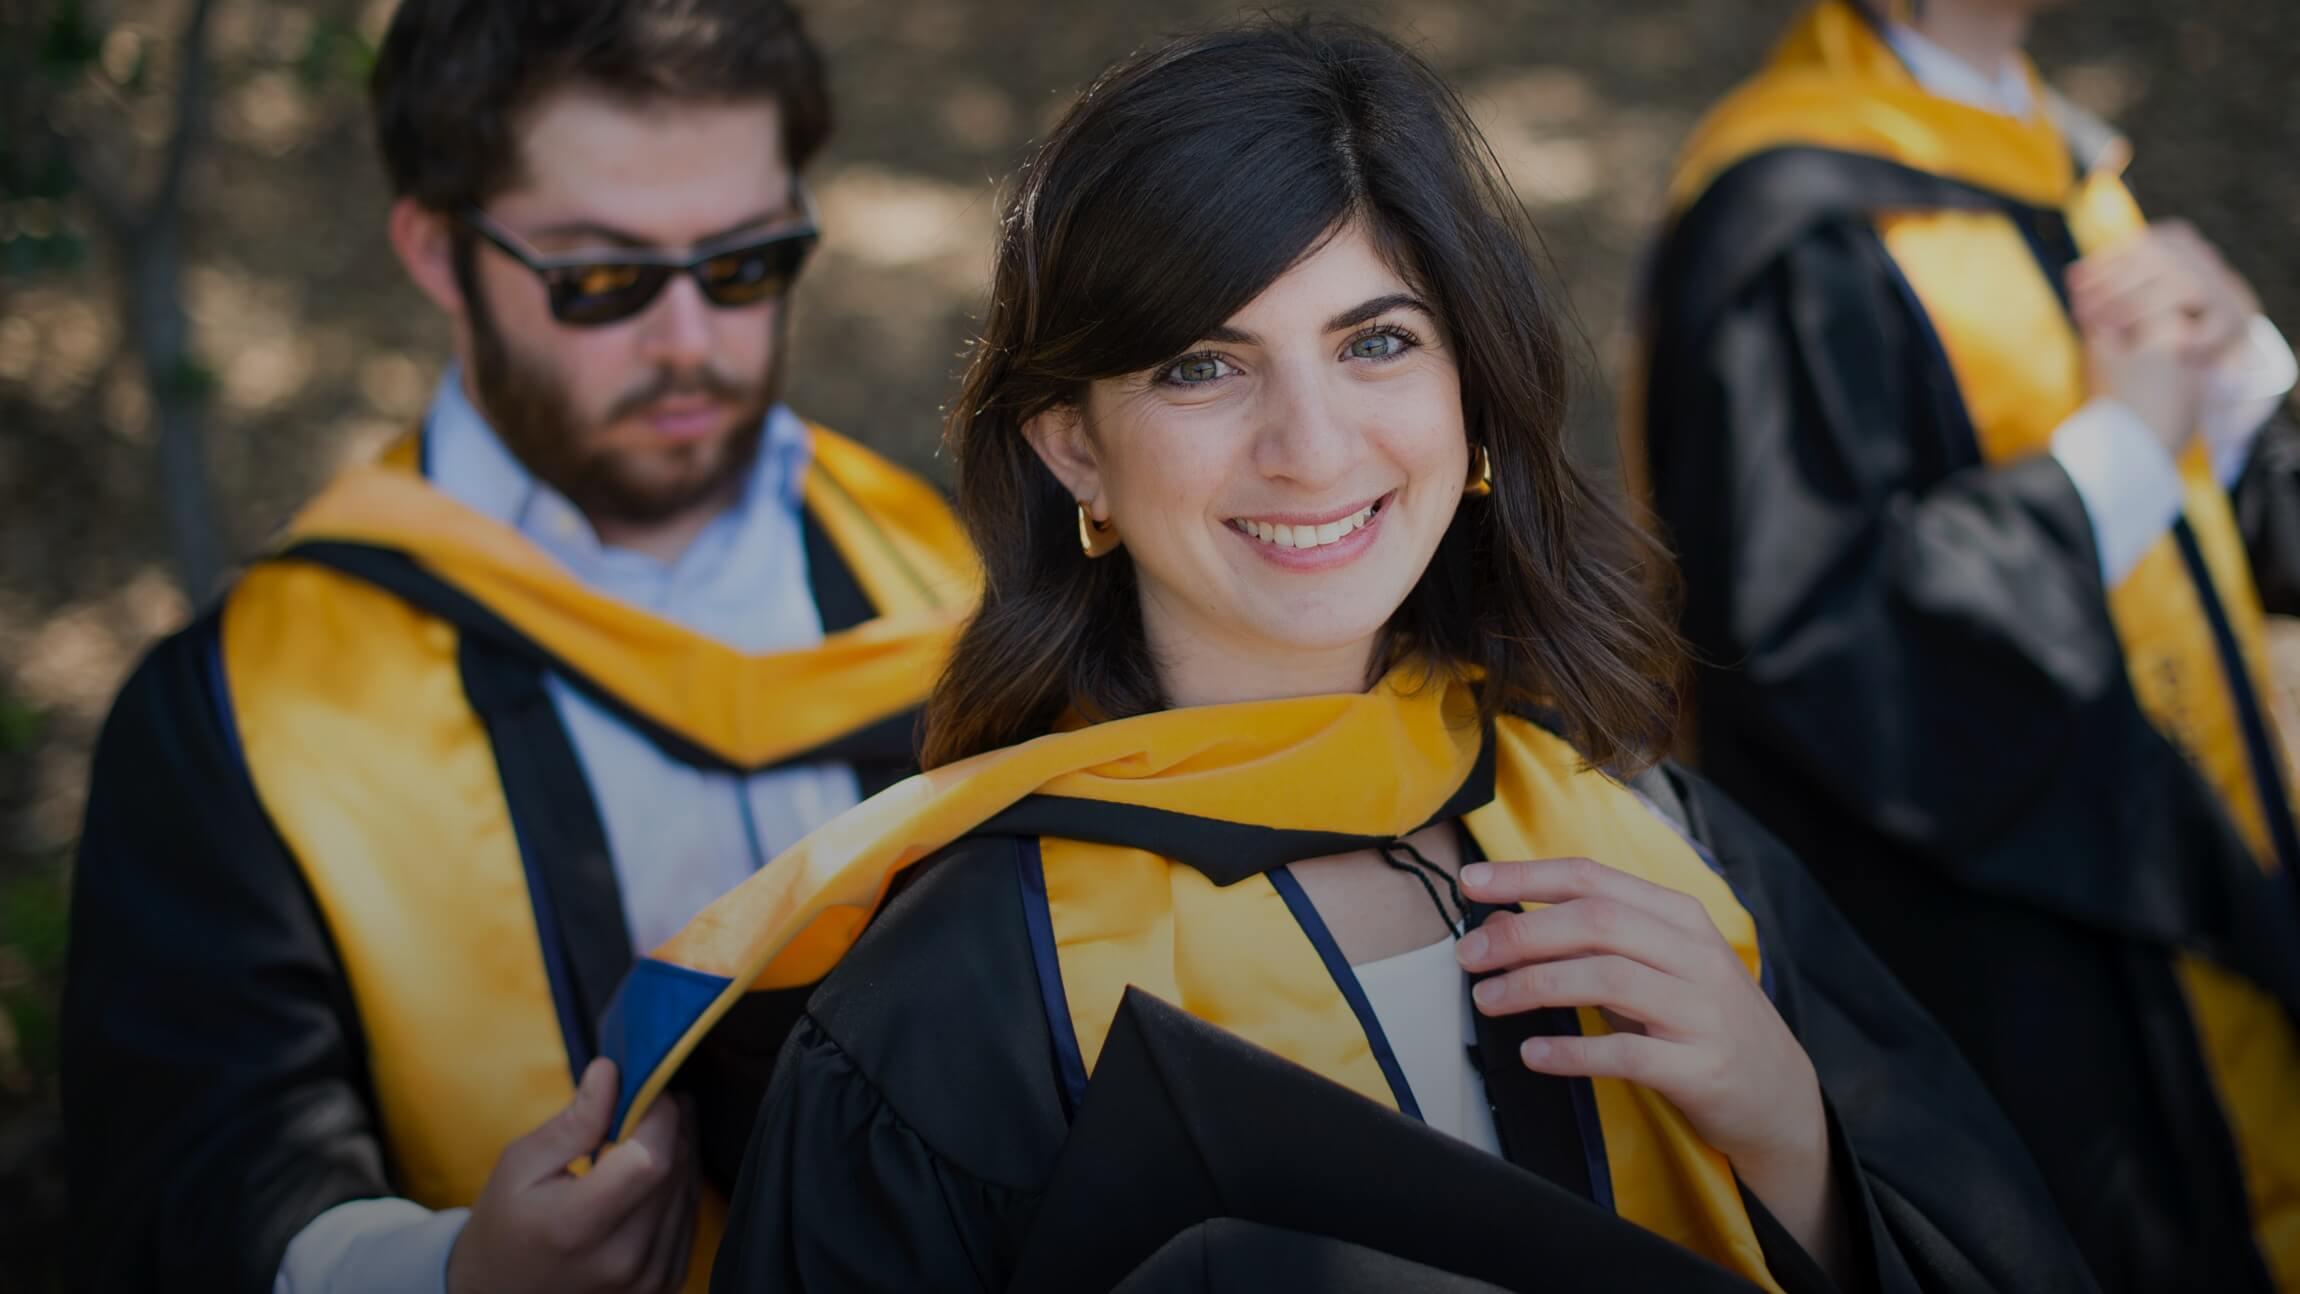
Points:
[[1891, 632], [841, 1193], [214, 1088], [2267, 499], [1939, 1192]]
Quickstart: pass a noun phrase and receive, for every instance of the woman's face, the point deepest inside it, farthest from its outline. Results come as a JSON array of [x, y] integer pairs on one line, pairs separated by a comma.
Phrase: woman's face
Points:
[[1281, 485]]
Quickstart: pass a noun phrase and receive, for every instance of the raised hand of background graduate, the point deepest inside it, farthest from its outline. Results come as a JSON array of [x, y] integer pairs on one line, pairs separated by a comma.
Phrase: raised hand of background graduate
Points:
[[624, 1226], [2151, 369], [1688, 1019], [2170, 274]]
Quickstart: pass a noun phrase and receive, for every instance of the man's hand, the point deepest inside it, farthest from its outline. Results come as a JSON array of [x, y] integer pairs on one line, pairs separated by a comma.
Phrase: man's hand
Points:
[[2149, 369], [624, 1226], [2172, 277]]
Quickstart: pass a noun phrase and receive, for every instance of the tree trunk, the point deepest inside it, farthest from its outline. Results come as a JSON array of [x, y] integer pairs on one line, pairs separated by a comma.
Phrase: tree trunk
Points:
[[150, 243], [154, 306]]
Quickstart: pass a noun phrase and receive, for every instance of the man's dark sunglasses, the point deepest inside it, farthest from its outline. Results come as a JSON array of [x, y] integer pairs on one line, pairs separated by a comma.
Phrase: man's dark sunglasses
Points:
[[588, 290]]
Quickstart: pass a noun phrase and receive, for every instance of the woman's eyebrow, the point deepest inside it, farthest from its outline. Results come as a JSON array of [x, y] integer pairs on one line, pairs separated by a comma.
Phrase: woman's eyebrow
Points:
[[1349, 318], [1358, 314]]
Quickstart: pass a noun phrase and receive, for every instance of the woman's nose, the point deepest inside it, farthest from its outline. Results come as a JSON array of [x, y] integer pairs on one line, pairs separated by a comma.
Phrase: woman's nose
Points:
[[1309, 433]]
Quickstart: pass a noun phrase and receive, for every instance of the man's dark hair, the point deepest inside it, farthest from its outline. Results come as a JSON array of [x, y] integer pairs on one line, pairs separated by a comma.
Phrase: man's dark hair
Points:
[[454, 77]]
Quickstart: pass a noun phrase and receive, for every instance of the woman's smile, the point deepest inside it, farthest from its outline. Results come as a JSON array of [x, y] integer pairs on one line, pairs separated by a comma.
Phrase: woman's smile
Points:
[[1313, 541], [1280, 488]]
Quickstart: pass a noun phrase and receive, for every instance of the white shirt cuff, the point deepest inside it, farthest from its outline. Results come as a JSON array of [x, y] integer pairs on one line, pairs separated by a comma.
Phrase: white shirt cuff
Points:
[[2241, 395], [2128, 481], [387, 1246]]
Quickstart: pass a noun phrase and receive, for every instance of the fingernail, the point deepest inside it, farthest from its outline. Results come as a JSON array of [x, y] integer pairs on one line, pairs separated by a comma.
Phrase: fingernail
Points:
[[1477, 873], [1471, 947], [1534, 1050], [1486, 991]]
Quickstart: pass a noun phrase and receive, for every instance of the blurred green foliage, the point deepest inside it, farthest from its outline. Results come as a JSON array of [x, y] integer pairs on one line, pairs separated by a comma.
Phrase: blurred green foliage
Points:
[[70, 40], [335, 56], [33, 894], [20, 726], [43, 48], [33, 922]]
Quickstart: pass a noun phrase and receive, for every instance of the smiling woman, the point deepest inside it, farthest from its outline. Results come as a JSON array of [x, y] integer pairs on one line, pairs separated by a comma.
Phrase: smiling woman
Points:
[[1219, 323], [1280, 490], [1312, 686]]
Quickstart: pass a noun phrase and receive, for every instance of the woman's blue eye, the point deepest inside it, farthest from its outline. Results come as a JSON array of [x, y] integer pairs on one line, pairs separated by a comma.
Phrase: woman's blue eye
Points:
[[1194, 370], [1383, 344]]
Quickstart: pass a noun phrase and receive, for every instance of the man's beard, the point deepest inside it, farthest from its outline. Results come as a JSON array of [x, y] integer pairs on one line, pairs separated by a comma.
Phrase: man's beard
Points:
[[531, 414]]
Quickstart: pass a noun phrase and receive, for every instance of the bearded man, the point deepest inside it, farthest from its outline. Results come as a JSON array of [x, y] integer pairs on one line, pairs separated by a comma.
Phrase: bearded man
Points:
[[372, 843]]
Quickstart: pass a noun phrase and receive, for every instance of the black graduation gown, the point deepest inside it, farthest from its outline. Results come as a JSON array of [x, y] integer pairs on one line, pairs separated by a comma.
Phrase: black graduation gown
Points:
[[916, 1134], [215, 1076], [1908, 671]]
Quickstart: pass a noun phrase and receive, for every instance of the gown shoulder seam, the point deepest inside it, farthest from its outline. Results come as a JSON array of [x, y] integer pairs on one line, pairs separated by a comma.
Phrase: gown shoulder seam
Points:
[[943, 1160]]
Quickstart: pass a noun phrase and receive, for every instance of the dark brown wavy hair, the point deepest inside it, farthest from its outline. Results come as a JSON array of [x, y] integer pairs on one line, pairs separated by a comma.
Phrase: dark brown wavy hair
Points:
[[1171, 194]]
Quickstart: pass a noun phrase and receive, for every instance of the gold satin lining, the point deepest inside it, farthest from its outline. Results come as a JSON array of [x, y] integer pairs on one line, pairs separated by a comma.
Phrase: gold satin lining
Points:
[[897, 534], [2019, 369], [1235, 956], [382, 783], [1665, 1178], [750, 710], [2255, 1064], [1832, 83], [410, 854], [403, 455]]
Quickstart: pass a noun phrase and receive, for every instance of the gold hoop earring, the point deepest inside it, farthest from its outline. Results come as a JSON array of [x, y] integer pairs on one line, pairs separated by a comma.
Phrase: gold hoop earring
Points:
[[1480, 481], [1095, 538]]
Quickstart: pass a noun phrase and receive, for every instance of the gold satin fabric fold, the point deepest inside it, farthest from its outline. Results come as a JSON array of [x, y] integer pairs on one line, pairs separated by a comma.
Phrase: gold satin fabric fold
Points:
[[1378, 764], [750, 710]]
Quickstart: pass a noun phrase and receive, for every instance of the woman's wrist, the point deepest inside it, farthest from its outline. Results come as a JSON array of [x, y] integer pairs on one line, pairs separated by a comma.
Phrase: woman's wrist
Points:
[[1793, 1175]]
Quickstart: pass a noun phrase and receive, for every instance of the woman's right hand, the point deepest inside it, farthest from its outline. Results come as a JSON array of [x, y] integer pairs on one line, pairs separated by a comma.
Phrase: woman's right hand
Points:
[[1689, 1021]]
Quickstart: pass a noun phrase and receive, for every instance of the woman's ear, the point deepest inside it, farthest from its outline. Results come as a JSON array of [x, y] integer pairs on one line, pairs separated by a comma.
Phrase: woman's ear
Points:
[[1059, 435]]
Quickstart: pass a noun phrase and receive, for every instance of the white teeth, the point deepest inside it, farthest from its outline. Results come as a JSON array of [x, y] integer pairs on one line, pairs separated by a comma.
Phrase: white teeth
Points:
[[1306, 536]]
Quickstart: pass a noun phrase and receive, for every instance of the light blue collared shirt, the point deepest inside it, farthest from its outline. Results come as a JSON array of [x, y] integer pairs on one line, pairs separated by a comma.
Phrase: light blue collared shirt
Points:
[[680, 836]]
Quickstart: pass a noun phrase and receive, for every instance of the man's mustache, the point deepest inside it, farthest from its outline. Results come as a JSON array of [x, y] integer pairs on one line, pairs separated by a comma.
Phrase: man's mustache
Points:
[[671, 383]]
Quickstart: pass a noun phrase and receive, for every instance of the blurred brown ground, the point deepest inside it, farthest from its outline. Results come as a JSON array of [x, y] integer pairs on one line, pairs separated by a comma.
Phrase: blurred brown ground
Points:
[[320, 351]]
